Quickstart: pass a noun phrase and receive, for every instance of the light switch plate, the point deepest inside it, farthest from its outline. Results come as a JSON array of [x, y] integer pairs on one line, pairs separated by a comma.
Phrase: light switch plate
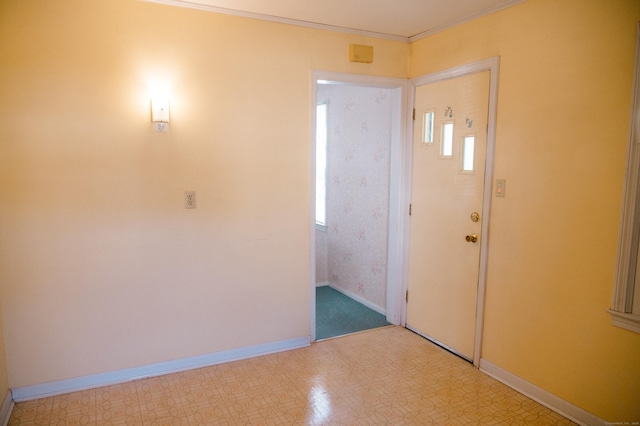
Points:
[[501, 185]]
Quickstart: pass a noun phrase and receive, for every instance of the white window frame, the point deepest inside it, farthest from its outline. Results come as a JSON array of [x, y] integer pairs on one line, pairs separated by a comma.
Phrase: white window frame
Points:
[[626, 282]]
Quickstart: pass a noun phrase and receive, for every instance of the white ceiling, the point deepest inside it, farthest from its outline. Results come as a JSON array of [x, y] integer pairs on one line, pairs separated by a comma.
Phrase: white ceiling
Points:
[[395, 19]]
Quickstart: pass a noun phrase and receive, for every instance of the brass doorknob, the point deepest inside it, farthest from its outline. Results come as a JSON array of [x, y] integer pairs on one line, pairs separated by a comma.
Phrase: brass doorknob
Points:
[[472, 238]]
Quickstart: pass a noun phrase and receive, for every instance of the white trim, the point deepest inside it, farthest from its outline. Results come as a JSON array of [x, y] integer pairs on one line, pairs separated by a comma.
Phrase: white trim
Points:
[[471, 68], [463, 20], [278, 19], [6, 409], [493, 66], [398, 194], [359, 299], [629, 237], [327, 27], [399, 199], [630, 322], [338, 78], [312, 210], [549, 400], [58, 387], [407, 173]]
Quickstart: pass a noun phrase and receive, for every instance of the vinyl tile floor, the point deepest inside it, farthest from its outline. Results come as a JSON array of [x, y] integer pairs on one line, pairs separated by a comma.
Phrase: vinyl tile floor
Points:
[[385, 376]]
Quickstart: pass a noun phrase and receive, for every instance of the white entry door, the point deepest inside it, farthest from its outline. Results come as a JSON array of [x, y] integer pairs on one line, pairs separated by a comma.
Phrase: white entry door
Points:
[[449, 148]]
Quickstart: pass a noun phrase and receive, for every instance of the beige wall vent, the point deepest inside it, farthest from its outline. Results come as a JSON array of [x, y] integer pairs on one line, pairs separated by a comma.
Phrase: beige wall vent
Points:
[[360, 53]]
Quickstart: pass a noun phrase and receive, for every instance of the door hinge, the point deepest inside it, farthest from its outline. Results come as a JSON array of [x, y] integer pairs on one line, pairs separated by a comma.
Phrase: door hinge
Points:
[[414, 114], [410, 208], [406, 296]]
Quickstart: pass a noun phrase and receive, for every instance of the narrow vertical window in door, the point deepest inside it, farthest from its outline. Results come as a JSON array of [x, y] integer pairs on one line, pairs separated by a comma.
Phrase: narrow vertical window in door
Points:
[[321, 165], [427, 127], [446, 146], [468, 147]]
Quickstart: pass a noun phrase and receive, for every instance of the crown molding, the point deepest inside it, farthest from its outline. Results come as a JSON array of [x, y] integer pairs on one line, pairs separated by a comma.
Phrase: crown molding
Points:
[[277, 19], [315, 25], [485, 12]]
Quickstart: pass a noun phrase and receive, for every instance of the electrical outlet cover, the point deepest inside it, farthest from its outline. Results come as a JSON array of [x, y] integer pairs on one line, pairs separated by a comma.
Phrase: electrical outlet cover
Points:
[[190, 199]]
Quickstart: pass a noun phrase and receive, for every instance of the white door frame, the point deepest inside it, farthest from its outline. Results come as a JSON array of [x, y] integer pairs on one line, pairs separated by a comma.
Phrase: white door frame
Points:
[[492, 65], [398, 194]]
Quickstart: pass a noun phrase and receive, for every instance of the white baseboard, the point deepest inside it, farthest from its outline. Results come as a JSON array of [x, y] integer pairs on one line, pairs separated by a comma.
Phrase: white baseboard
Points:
[[549, 400], [6, 409], [359, 299], [26, 393], [322, 284]]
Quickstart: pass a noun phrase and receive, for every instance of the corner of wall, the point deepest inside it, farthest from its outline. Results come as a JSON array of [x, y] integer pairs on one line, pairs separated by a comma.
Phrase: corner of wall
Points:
[[6, 408], [5, 392], [549, 400]]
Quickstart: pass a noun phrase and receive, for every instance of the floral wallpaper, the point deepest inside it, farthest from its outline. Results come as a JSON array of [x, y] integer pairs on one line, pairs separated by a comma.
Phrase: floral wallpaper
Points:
[[354, 248]]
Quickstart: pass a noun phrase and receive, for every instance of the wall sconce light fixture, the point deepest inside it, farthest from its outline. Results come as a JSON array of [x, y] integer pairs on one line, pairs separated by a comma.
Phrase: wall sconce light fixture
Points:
[[160, 113]]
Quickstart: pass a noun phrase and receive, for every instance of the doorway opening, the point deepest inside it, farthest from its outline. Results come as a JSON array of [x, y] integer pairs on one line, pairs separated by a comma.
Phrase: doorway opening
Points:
[[356, 139]]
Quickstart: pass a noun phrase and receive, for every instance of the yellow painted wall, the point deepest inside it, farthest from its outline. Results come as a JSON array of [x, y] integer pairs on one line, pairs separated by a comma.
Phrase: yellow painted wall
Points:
[[563, 119], [101, 266]]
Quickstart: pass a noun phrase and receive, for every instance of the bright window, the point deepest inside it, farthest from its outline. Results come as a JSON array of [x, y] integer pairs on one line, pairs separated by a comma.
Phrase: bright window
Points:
[[468, 147], [427, 126], [321, 165], [446, 146]]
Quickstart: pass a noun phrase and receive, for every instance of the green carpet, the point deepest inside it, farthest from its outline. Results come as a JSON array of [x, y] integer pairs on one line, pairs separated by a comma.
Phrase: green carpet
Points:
[[337, 314]]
